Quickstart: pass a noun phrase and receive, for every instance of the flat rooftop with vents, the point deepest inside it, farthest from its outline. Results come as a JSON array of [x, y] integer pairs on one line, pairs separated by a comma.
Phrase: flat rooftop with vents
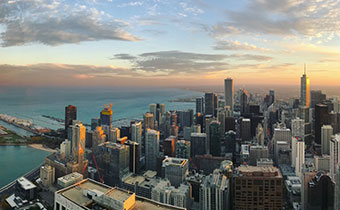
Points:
[[89, 194]]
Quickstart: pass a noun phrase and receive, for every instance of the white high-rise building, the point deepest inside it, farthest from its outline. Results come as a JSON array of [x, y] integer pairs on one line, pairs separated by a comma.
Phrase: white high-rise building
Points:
[[215, 192], [65, 148], [151, 149], [114, 135], [326, 134], [294, 140], [260, 134], [305, 90], [77, 135], [298, 128], [163, 192], [337, 189], [335, 154], [152, 108], [136, 132], [229, 93], [300, 157]]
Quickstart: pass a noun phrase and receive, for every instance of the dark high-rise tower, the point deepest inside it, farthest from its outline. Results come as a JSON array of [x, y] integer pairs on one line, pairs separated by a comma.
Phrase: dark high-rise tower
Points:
[[229, 93], [321, 118], [305, 90], [70, 115], [244, 101], [215, 138], [199, 105], [211, 103]]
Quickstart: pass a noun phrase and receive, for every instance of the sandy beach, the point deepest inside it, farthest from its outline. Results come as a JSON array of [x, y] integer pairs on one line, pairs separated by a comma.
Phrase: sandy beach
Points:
[[41, 147]]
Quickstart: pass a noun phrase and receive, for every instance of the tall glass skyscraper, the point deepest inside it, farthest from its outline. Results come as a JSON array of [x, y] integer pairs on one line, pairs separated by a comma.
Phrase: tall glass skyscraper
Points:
[[305, 90], [229, 92]]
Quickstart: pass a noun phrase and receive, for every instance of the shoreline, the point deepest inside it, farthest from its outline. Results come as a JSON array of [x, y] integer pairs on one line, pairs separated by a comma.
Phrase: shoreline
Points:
[[35, 146], [41, 147]]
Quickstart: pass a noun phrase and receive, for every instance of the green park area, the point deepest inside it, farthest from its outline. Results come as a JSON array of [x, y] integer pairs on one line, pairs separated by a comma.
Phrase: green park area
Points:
[[9, 137]]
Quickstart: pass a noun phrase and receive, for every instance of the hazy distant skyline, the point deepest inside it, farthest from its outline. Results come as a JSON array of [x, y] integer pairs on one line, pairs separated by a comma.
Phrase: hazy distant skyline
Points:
[[168, 42]]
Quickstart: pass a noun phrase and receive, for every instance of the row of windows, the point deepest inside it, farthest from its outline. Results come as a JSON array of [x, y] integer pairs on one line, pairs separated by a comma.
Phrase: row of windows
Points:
[[60, 207]]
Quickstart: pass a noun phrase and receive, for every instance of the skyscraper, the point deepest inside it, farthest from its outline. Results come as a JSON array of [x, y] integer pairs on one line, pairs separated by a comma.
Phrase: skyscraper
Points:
[[245, 129], [215, 192], [148, 121], [77, 135], [271, 96], [175, 170], [113, 162], [335, 154], [326, 134], [106, 116], [215, 138], [298, 128], [136, 132], [151, 149], [244, 101], [305, 90], [199, 105], [258, 188], [152, 108], [198, 144], [70, 115], [321, 192], [300, 156], [211, 100], [321, 118], [229, 93]]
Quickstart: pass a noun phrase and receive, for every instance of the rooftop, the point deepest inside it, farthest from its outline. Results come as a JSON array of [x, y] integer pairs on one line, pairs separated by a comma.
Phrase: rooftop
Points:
[[259, 171], [25, 183], [174, 161], [198, 135], [75, 194], [68, 177]]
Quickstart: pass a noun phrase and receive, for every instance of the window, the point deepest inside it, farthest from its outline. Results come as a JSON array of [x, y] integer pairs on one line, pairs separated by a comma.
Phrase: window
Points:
[[57, 206]]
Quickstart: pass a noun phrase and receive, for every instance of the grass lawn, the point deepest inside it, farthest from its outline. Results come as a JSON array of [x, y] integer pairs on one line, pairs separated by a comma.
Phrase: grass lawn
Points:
[[10, 137]]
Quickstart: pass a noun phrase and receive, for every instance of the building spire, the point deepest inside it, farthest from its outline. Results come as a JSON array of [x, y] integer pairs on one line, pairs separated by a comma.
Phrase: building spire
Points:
[[305, 68]]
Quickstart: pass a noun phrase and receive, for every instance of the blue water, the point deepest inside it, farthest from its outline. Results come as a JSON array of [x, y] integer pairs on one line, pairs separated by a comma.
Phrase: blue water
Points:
[[16, 161], [19, 131], [32, 103]]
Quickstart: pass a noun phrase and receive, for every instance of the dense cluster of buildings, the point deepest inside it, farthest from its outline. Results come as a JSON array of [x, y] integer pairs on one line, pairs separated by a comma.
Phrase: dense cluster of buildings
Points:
[[242, 152]]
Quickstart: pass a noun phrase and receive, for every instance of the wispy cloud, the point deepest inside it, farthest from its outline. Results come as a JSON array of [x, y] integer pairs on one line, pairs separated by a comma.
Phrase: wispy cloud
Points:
[[53, 23], [236, 45], [178, 62], [282, 17]]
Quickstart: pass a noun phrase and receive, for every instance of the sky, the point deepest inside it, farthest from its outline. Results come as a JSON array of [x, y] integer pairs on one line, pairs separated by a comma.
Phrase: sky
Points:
[[168, 42]]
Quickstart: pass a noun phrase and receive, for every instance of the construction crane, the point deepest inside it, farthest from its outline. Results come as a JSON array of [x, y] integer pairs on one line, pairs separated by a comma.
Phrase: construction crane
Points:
[[84, 168], [108, 106], [95, 162]]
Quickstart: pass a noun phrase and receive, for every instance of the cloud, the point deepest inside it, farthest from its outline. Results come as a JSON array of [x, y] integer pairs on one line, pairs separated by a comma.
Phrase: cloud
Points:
[[236, 45], [131, 4], [178, 62], [282, 17], [53, 23]]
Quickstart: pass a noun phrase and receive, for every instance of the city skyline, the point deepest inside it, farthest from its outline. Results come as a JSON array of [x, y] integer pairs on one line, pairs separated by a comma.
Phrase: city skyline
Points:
[[168, 43]]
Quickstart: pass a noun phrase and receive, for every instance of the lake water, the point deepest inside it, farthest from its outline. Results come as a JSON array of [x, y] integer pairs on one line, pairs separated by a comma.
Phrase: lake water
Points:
[[32, 103], [16, 161]]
